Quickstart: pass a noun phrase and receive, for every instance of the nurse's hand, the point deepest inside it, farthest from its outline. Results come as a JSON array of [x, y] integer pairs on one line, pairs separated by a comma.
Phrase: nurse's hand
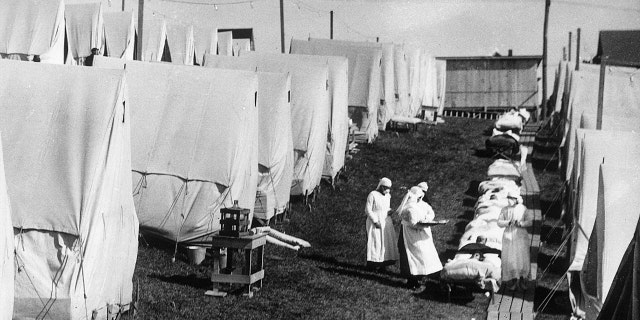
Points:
[[377, 225]]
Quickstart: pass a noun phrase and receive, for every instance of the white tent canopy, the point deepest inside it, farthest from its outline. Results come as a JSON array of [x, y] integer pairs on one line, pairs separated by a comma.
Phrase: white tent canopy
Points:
[[364, 80], [7, 260], [621, 99], [615, 225], [85, 29], [32, 27], [275, 140], [181, 44], [119, 34], [194, 145], [386, 110], [153, 39], [339, 98], [622, 148], [67, 146], [225, 43], [310, 109], [205, 40], [402, 82]]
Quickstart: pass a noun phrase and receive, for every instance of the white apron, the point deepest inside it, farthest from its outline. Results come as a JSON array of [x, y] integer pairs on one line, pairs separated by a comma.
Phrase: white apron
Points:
[[421, 252], [516, 242], [381, 243]]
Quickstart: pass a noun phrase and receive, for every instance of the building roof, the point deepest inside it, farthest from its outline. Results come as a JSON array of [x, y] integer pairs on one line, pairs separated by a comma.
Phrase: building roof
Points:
[[621, 46]]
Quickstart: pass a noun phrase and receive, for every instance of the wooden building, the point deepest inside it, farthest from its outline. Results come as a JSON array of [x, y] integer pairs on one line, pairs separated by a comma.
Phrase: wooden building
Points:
[[492, 83]]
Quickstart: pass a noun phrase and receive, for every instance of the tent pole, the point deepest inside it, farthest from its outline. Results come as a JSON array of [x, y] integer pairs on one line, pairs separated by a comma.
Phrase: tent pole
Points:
[[140, 20], [331, 24], [578, 50], [603, 69], [123, 5], [570, 45], [282, 25], [543, 112]]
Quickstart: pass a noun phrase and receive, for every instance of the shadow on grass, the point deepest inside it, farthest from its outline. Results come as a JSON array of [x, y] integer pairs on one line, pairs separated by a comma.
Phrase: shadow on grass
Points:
[[559, 266], [555, 303], [469, 202], [472, 191], [191, 280], [483, 153], [354, 270]]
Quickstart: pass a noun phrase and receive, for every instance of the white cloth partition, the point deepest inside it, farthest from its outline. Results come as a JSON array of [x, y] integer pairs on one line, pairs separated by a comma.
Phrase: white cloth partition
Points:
[[119, 34]]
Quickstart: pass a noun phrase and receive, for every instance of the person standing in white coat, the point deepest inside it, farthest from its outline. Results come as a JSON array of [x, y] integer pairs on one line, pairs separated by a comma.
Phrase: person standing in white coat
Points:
[[418, 254], [516, 242], [381, 235]]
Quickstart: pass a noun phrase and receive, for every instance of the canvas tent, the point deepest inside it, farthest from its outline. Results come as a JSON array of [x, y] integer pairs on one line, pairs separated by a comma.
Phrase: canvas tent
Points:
[[339, 98], [441, 75], [387, 85], [32, 27], [119, 34], [614, 228], [621, 302], [85, 29], [240, 46], [65, 133], [364, 81], [401, 65], [225, 43], [7, 259], [621, 99], [194, 145], [597, 147], [154, 40], [275, 142], [180, 40], [205, 40], [310, 111]]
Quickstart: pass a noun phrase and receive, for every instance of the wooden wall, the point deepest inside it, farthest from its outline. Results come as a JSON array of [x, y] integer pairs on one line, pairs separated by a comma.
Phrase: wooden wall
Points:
[[492, 83]]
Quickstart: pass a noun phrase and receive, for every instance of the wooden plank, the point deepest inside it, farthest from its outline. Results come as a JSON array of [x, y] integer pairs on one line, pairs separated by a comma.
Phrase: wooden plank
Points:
[[237, 278], [505, 305], [492, 315], [517, 300]]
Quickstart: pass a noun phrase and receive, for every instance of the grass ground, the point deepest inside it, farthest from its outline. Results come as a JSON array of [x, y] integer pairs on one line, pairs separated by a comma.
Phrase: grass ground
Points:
[[328, 280]]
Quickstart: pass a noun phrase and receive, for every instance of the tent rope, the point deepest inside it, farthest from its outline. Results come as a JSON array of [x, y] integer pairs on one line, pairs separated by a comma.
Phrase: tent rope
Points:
[[184, 199], [173, 204], [554, 201], [21, 267], [557, 253], [547, 299]]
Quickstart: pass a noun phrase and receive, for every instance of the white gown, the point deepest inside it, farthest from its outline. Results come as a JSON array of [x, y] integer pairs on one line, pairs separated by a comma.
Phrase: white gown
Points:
[[421, 251], [381, 242], [516, 243]]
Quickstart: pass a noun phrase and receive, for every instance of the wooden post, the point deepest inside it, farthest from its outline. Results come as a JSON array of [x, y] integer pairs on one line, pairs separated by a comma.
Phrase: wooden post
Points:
[[569, 45], [122, 5], [140, 34], [282, 25], [578, 50], [603, 69], [331, 24], [543, 112]]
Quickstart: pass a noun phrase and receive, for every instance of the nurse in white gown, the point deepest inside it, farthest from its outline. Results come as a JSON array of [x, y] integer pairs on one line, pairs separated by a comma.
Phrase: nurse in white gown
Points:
[[418, 254], [516, 242], [381, 235]]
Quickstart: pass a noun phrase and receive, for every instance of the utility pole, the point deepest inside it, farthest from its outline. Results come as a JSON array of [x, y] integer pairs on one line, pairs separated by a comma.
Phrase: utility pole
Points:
[[547, 4], [569, 45], [578, 50], [140, 20], [331, 25], [282, 25]]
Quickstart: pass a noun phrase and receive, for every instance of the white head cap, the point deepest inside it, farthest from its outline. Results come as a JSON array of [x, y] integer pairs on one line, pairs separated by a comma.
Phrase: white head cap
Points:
[[386, 182], [424, 186]]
